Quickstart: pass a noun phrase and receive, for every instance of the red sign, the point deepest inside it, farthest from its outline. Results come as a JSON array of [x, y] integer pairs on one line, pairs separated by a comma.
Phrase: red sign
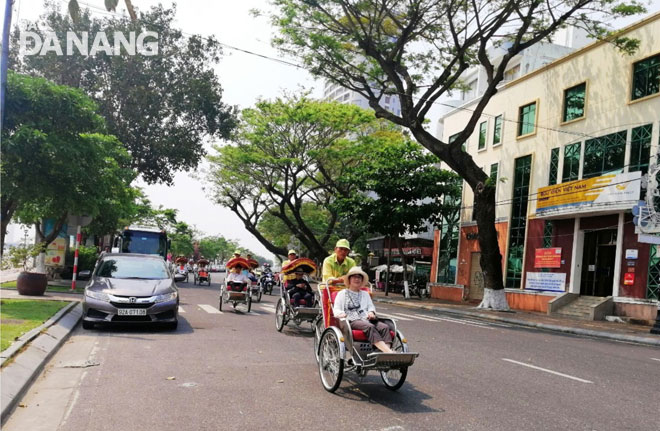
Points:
[[548, 258], [628, 278]]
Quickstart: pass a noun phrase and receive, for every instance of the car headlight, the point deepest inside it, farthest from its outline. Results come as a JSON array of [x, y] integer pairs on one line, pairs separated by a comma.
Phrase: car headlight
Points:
[[97, 295], [165, 297]]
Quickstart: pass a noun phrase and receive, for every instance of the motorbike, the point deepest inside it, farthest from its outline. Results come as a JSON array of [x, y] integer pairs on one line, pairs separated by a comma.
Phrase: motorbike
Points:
[[267, 282]]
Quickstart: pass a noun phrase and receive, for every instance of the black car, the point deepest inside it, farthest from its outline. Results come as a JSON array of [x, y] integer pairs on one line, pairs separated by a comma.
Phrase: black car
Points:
[[129, 287]]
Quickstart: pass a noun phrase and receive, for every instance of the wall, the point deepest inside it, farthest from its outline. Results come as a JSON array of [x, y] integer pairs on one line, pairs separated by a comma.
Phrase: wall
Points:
[[529, 300], [562, 236], [641, 268], [467, 246]]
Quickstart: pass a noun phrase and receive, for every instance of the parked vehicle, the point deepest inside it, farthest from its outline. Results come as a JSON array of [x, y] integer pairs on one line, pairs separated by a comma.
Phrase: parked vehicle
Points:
[[142, 240], [131, 288]]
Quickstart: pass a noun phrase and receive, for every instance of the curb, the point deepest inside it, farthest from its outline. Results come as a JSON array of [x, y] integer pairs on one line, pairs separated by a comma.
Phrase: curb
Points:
[[41, 345], [655, 342]]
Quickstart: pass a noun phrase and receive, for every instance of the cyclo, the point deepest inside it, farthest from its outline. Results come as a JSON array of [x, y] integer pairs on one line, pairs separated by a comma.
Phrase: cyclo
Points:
[[286, 309], [236, 292], [335, 342], [255, 286], [181, 269], [202, 274]]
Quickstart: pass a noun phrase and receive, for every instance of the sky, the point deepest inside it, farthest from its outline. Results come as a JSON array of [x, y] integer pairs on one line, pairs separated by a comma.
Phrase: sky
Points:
[[245, 79]]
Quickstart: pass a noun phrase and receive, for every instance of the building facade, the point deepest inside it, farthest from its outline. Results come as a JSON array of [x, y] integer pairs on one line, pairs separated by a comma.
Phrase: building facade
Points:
[[567, 145]]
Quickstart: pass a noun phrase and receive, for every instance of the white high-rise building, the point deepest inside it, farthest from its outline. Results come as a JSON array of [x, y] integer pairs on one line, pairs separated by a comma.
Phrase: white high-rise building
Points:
[[333, 91]]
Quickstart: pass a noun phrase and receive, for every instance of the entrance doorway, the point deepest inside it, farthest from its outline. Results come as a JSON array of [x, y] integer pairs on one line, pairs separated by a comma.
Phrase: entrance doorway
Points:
[[598, 261], [476, 291]]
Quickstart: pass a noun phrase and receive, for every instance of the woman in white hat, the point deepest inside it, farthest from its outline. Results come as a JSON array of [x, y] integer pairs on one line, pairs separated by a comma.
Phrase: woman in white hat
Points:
[[356, 305]]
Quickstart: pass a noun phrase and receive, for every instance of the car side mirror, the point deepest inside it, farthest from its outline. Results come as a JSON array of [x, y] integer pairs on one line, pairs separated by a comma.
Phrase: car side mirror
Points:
[[84, 275]]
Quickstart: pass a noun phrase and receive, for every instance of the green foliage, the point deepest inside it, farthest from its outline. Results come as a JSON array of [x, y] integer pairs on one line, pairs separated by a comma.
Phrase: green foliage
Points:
[[86, 257], [161, 107], [286, 159], [56, 159], [20, 255], [217, 247], [400, 189]]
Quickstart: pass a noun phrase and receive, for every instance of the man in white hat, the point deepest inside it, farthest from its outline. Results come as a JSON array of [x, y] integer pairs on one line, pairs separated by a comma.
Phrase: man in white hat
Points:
[[338, 263]]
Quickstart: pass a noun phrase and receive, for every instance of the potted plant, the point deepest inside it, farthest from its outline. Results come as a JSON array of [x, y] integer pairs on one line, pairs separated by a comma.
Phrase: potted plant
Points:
[[28, 283]]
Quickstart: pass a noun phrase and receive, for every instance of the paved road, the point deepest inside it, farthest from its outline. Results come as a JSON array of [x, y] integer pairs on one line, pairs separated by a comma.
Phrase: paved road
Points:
[[233, 370]]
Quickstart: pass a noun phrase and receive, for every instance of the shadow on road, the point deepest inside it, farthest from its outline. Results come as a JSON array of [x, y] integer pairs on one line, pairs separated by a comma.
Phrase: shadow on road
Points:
[[371, 390], [120, 328]]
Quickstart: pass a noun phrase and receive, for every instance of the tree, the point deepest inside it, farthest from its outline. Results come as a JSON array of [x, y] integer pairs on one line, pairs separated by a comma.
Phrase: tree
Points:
[[111, 5], [417, 51], [287, 155], [217, 247], [162, 107], [56, 160], [400, 190]]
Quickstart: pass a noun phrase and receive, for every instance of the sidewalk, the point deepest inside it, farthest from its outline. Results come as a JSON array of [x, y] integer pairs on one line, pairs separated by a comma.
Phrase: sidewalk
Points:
[[598, 329]]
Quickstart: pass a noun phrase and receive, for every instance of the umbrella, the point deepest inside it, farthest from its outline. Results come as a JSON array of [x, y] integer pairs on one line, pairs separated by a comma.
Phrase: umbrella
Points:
[[237, 261], [306, 264]]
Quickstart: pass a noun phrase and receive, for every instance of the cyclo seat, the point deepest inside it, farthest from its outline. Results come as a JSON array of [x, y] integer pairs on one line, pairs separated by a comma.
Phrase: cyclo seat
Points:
[[330, 320], [302, 302], [236, 286]]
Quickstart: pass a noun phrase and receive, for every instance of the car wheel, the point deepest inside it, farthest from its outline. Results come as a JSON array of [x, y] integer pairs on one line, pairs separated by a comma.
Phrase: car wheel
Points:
[[171, 326], [87, 325]]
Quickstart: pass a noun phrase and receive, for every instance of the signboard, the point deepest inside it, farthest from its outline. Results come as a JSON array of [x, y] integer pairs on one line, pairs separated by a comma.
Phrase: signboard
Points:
[[55, 252], [629, 279], [411, 251], [611, 192], [547, 257], [632, 253], [551, 281]]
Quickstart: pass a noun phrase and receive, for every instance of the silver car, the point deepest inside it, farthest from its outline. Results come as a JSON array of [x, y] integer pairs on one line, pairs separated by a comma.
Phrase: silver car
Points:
[[131, 288]]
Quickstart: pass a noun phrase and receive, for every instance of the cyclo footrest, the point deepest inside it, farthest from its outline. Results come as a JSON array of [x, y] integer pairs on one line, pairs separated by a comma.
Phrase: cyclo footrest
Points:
[[307, 311], [390, 360]]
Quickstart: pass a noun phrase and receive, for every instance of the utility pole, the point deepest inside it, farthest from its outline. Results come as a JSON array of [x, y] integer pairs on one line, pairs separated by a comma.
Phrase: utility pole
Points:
[[4, 60]]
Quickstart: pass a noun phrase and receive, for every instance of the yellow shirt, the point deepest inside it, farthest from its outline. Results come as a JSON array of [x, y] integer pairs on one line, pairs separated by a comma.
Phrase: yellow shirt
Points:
[[334, 269]]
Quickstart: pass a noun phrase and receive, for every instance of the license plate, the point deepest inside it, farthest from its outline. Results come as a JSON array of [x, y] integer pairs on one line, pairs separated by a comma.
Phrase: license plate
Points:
[[131, 312]]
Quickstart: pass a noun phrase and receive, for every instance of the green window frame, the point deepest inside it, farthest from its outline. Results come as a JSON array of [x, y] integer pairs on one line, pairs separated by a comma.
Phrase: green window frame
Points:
[[483, 129], [493, 172], [548, 231], [571, 171], [497, 130], [574, 99], [527, 119], [640, 148], [554, 166], [604, 154], [514, 267], [448, 247], [646, 77], [653, 280]]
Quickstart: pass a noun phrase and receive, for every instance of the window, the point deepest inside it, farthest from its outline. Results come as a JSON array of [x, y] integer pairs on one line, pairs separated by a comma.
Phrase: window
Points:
[[604, 154], [574, 102], [646, 77], [512, 73], [548, 231], [483, 128], [554, 166], [526, 119], [640, 149], [448, 247], [571, 170], [497, 131], [514, 267]]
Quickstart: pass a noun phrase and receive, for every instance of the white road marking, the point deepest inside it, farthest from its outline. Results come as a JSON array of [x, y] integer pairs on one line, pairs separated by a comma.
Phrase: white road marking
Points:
[[655, 359], [209, 309], [268, 309], [547, 371], [416, 316], [181, 310], [462, 322], [267, 305], [391, 316]]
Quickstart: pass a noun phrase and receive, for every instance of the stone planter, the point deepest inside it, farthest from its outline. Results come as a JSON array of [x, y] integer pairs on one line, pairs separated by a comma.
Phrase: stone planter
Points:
[[31, 283]]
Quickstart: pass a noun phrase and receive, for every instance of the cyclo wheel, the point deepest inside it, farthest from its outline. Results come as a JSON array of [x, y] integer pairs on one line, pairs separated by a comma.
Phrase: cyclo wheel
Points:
[[331, 366], [220, 304], [259, 295], [280, 312], [318, 331], [249, 303], [395, 378]]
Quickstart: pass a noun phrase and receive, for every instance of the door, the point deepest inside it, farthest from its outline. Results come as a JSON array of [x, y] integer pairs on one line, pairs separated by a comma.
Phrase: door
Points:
[[476, 288], [598, 261]]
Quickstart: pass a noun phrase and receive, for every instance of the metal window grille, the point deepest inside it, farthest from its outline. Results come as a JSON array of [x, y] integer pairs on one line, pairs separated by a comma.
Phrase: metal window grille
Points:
[[571, 170], [640, 148], [554, 166], [604, 154], [653, 282], [548, 230], [518, 221]]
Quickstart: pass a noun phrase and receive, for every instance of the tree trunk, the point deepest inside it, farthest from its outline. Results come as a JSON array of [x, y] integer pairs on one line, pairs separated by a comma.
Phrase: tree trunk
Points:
[[8, 209], [491, 259], [403, 263]]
